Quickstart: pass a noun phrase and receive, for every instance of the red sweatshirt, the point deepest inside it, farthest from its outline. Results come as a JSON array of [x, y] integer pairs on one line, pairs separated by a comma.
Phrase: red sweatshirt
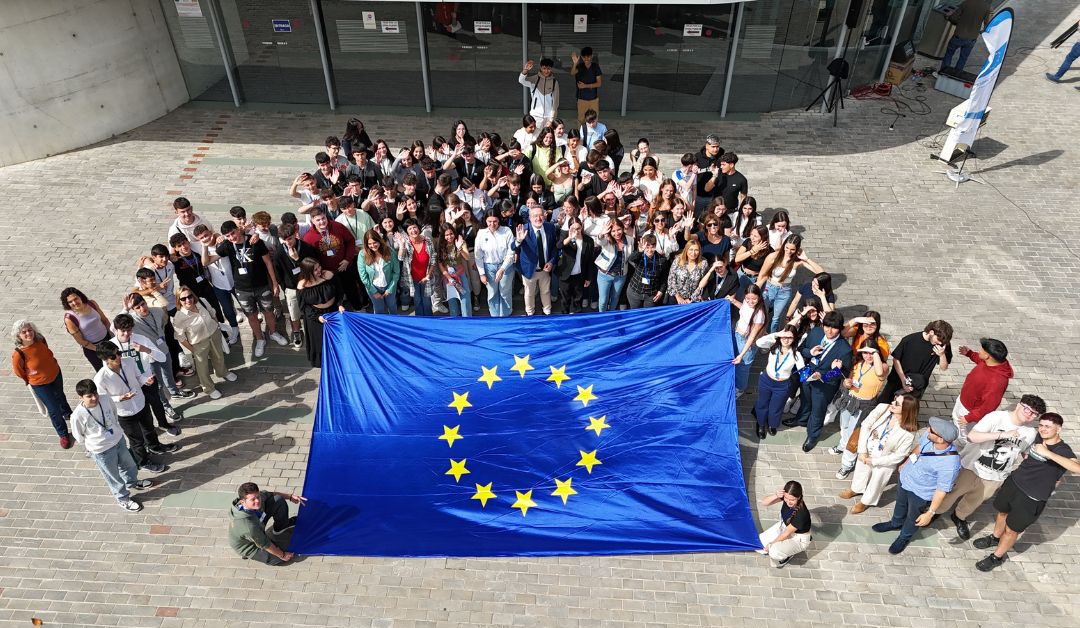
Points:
[[984, 387]]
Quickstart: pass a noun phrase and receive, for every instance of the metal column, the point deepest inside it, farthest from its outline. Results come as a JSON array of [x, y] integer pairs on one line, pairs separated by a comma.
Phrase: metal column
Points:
[[626, 59], [524, 53], [731, 60], [324, 52], [892, 42], [218, 25], [422, 40]]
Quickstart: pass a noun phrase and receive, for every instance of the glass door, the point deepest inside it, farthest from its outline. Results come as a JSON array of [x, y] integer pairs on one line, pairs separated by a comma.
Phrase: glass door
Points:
[[374, 52], [557, 30], [474, 54], [679, 57], [276, 51]]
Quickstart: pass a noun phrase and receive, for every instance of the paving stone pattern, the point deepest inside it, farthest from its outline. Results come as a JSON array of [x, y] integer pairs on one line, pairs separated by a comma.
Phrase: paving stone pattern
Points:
[[997, 259]]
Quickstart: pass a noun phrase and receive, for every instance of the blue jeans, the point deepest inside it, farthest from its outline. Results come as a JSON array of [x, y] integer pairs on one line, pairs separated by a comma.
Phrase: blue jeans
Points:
[[385, 305], [964, 46], [421, 300], [228, 308], [118, 468], [1073, 55], [772, 395], [777, 299], [744, 283], [55, 401], [461, 305], [742, 369], [609, 287], [500, 293], [907, 509]]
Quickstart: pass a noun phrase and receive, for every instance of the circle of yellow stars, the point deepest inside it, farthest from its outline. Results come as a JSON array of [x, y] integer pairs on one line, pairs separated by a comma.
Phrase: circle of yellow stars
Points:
[[523, 500]]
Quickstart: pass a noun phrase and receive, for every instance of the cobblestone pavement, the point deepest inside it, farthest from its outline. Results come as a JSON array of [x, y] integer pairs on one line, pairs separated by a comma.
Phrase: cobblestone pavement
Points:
[[996, 259]]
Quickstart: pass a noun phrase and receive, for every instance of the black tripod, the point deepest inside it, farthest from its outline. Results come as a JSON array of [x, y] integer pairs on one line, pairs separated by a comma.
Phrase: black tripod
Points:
[[833, 94]]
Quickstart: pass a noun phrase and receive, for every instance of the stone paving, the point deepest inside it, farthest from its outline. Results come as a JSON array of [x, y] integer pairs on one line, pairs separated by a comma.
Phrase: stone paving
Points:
[[997, 259]]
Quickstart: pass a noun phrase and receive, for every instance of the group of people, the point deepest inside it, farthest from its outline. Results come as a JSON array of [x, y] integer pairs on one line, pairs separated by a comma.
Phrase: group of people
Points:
[[586, 222]]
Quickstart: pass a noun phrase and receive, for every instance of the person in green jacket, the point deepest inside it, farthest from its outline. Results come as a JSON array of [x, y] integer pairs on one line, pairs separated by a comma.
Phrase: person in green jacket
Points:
[[248, 516]]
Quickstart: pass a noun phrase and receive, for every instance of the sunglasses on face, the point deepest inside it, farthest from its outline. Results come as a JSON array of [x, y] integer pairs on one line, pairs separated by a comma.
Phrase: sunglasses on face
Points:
[[187, 297]]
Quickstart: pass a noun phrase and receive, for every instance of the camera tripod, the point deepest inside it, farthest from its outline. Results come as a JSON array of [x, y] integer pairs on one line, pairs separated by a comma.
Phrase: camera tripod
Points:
[[831, 96]]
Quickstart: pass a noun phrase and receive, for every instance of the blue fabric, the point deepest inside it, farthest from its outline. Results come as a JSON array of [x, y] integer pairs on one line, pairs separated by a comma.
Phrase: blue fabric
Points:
[[930, 473], [670, 475]]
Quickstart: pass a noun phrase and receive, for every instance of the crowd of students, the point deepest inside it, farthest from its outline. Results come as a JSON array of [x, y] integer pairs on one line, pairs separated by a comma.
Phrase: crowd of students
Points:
[[586, 223]]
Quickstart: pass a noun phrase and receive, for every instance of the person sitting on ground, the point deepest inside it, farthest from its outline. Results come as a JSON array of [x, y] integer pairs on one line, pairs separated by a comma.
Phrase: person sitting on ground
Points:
[[791, 534], [248, 516]]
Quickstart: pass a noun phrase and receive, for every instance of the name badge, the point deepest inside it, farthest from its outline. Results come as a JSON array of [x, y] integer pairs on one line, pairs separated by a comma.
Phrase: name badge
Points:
[[330, 253], [645, 281], [198, 279], [242, 270], [296, 271]]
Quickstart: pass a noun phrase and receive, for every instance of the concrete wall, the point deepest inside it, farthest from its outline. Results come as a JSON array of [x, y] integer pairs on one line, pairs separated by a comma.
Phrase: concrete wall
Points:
[[75, 72]]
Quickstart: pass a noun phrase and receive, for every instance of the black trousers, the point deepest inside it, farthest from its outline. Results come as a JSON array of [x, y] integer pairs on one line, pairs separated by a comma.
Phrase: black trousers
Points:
[[571, 292], [354, 291], [174, 346], [639, 300], [140, 432], [153, 399]]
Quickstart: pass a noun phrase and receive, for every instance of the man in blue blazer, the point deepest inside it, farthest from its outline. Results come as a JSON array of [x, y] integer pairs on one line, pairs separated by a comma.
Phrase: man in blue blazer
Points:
[[823, 351], [536, 248]]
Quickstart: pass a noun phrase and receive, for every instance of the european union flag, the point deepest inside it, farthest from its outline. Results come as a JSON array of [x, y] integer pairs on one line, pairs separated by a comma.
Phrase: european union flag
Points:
[[607, 433]]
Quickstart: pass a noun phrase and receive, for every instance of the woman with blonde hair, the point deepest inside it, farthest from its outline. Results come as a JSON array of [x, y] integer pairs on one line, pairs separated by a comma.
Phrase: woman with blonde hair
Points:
[[885, 439], [34, 363], [687, 274]]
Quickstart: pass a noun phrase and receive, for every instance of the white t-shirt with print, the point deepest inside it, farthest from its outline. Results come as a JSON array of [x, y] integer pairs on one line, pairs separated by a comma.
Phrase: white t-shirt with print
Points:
[[994, 460]]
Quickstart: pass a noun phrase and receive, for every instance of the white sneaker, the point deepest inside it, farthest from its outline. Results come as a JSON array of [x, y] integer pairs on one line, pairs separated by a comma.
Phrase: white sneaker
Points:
[[215, 394], [836, 451], [234, 335], [230, 377], [130, 505], [278, 338], [260, 348]]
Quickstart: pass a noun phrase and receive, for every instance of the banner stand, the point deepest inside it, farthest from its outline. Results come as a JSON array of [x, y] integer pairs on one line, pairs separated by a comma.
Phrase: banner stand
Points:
[[996, 37]]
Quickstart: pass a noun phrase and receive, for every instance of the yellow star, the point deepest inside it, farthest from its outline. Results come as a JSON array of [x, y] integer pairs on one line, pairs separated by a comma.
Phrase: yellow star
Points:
[[460, 402], [450, 434], [558, 375], [490, 376], [521, 365], [483, 493], [457, 469], [585, 395], [597, 425], [588, 460], [564, 489], [524, 502]]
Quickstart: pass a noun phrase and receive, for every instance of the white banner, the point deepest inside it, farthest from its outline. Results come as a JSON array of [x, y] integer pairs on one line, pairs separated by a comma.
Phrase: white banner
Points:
[[996, 37]]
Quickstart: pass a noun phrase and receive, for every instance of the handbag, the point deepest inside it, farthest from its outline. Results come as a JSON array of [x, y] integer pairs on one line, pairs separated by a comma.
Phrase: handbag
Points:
[[853, 441]]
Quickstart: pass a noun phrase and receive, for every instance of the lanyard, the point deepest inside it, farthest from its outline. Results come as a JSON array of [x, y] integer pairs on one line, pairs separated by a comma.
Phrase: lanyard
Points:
[[885, 433], [242, 253], [150, 313], [102, 422], [194, 263], [352, 226], [645, 266], [777, 362], [858, 378], [825, 346], [138, 359], [124, 377]]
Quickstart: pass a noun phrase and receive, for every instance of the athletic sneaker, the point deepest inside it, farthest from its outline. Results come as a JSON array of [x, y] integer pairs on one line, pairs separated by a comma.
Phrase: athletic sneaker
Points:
[[182, 393], [844, 472], [835, 450], [154, 467], [173, 430], [173, 415], [278, 338], [260, 348], [230, 377], [297, 339], [141, 485], [215, 394], [65, 442], [162, 448], [234, 335], [130, 505], [288, 526]]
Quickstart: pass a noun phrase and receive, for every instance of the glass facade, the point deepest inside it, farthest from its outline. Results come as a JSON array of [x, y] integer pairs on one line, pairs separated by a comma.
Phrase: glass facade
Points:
[[468, 54], [374, 63]]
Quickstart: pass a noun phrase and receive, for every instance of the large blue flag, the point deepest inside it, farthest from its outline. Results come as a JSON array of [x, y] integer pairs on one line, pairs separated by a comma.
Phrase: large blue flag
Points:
[[606, 433]]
